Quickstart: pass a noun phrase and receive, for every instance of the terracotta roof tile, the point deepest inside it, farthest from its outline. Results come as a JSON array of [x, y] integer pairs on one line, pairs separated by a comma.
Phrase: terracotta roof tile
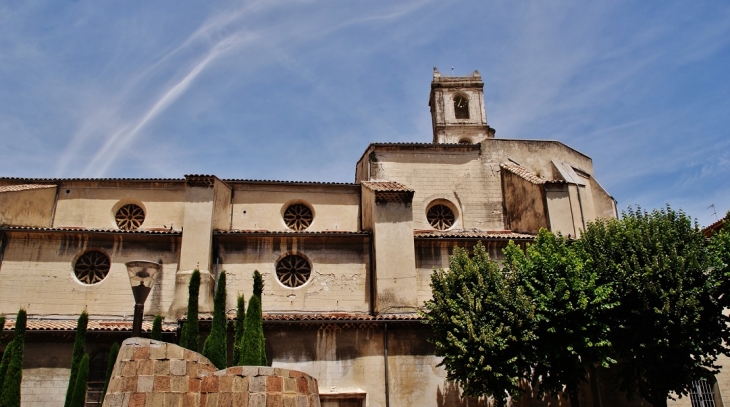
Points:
[[472, 234], [24, 187], [290, 232], [93, 326], [314, 317], [386, 186], [151, 231], [523, 173]]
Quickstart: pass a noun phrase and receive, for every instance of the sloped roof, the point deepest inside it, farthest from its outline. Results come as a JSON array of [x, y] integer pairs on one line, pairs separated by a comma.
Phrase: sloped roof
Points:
[[472, 234], [523, 173], [24, 187], [93, 326], [75, 229], [386, 186]]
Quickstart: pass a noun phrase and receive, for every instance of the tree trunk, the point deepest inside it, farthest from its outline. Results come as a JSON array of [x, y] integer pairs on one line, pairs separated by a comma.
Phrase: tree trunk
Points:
[[573, 394]]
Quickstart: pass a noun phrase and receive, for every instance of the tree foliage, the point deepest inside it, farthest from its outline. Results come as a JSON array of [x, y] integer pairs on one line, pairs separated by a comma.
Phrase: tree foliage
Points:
[[239, 328], [483, 325], [78, 399], [215, 347], [190, 336], [113, 353], [667, 328], [14, 375], [570, 335], [253, 352], [77, 355], [7, 355], [156, 333], [720, 249]]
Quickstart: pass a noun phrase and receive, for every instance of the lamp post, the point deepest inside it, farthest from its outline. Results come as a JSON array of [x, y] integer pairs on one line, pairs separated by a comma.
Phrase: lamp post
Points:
[[142, 277]]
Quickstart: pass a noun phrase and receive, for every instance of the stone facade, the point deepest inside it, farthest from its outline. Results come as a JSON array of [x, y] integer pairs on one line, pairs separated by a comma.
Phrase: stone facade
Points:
[[346, 266]]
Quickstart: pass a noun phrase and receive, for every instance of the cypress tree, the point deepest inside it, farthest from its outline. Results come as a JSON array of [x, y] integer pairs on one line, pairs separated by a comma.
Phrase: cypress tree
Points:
[[190, 336], [251, 346], [238, 328], [7, 355], [258, 284], [215, 347], [78, 354], [79, 394], [156, 333], [14, 375], [113, 352]]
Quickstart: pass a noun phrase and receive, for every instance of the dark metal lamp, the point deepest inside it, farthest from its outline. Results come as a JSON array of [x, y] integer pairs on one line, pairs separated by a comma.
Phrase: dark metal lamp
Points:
[[142, 275]]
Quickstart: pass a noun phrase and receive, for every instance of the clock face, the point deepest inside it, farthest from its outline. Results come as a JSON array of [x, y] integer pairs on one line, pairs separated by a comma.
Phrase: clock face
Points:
[[461, 102]]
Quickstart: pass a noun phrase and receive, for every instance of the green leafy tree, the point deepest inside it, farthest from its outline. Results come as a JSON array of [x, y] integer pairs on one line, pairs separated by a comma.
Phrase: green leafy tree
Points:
[[239, 328], [190, 336], [720, 249], [667, 328], [156, 333], [14, 375], [77, 355], [113, 353], [482, 324], [78, 399], [570, 335], [258, 284], [215, 347], [252, 351]]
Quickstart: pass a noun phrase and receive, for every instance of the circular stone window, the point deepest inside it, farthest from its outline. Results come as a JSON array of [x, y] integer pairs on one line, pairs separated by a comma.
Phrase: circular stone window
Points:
[[298, 217], [129, 217], [92, 267], [293, 270], [440, 217]]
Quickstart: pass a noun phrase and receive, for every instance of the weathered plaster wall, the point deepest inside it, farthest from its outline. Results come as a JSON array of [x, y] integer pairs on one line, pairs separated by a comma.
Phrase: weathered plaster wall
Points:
[[27, 208], [37, 272], [453, 175], [338, 283], [92, 205], [524, 204], [44, 387], [261, 206]]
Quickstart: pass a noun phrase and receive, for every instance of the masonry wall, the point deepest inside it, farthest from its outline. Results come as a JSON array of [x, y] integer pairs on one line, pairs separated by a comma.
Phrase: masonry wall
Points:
[[37, 272], [339, 281], [455, 176], [262, 206]]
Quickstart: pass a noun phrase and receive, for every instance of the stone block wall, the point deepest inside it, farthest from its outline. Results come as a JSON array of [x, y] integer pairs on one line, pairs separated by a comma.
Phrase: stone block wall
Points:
[[152, 373]]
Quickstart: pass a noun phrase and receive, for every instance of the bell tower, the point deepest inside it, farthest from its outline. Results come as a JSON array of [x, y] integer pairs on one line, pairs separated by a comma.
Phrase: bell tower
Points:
[[457, 109]]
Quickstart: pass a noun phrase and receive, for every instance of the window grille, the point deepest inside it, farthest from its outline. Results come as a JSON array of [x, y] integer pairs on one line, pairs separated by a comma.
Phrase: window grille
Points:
[[701, 394]]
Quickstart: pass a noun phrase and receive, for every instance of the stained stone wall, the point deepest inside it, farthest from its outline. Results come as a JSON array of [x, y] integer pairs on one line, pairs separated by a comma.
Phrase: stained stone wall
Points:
[[151, 373]]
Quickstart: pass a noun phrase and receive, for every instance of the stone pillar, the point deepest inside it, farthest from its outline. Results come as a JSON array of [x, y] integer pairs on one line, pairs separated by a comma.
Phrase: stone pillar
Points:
[[387, 212], [207, 205]]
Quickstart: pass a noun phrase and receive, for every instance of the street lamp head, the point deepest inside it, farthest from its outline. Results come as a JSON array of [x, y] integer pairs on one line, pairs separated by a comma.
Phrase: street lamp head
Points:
[[142, 277], [142, 272]]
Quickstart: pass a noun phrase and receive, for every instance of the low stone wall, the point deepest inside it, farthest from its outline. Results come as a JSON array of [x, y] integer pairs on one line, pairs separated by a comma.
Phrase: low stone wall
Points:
[[152, 373]]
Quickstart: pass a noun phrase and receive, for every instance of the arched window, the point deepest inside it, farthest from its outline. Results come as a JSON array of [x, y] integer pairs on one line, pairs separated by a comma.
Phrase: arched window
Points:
[[97, 375], [461, 107], [705, 393]]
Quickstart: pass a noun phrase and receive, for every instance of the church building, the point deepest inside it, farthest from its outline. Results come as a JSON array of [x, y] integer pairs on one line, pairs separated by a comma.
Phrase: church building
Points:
[[346, 266]]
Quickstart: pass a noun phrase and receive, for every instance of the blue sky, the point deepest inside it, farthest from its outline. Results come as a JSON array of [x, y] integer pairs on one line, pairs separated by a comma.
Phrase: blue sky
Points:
[[296, 90]]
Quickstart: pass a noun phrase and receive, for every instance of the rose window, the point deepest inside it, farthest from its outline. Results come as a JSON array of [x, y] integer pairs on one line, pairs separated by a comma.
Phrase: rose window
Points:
[[440, 217], [92, 267], [129, 217], [298, 217], [293, 270]]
